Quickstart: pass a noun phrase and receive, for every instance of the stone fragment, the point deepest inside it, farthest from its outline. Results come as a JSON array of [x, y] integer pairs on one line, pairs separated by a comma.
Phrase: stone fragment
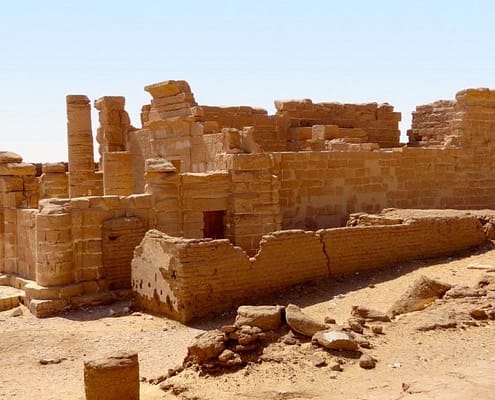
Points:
[[301, 323], [335, 340], [355, 325], [419, 295], [16, 313], [47, 308], [431, 323], [48, 361], [330, 320], [318, 361], [377, 329], [459, 291], [478, 313], [367, 362], [369, 314], [336, 365], [245, 335], [264, 317], [207, 346], [113, 377]]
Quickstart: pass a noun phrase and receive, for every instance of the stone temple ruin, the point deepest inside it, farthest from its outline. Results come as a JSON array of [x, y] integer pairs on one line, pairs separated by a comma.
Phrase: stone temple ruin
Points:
[[204, 207]]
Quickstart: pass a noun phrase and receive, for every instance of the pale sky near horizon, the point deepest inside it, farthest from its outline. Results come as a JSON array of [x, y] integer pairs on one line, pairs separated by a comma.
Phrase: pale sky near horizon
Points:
[[232, 53]]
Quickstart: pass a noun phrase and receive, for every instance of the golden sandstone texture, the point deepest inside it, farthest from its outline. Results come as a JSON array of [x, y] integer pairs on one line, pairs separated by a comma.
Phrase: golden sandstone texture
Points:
[[202, 206]]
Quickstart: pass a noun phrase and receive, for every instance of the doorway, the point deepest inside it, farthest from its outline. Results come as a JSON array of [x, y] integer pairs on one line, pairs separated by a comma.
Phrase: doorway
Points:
[[213, 224]]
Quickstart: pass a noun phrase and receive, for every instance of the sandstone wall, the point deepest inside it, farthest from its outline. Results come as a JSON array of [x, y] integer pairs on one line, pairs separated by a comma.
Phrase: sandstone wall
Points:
[[88, 216], [379, 121], [320, 189], [431, 124], [187, 278]]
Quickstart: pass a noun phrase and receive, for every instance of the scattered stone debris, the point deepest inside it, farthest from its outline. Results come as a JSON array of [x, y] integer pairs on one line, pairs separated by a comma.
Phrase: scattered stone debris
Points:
[[260, 333]]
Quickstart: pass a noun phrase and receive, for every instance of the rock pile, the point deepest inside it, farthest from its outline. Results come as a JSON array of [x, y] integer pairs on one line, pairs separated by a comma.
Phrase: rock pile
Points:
[[255, 327]]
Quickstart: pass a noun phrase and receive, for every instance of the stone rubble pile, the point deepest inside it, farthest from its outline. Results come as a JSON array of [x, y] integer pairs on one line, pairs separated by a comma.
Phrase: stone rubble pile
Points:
[[432, 304]]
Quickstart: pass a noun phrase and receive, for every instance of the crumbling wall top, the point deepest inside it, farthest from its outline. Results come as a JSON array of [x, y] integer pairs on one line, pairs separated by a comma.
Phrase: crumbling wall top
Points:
[[167, 88]]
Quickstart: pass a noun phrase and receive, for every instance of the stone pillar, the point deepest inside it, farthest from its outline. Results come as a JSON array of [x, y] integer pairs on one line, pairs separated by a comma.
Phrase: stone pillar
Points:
[[114, 377], [163, 183], [117, 173], [53, 181], [114, 124], [80, 146], [54, 258]]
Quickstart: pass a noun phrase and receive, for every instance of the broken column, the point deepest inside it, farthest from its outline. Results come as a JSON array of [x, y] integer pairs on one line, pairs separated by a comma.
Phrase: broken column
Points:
[[80, 147], [114, 124], [113, 377]]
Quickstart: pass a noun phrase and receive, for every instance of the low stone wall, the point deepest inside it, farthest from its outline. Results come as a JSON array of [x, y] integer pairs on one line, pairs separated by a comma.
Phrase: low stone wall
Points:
[[370, 247], [187, 278]]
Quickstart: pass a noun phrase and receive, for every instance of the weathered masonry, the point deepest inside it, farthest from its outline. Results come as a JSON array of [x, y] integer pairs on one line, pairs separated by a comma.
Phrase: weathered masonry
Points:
[[234, 174]]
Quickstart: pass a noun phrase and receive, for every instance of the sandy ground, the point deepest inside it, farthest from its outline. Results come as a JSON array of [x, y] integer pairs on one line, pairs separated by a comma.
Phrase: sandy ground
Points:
[[454, 363]]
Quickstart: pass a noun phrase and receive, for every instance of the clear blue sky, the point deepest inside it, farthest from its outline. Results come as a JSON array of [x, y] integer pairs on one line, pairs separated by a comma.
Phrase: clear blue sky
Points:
[[250, 53]]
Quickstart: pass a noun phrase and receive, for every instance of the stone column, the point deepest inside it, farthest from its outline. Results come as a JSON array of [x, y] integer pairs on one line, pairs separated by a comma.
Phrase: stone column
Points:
[[80, 146], [117, 173], [54, 258]]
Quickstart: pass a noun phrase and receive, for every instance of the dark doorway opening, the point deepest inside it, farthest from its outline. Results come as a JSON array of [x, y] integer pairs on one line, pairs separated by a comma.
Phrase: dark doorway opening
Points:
[[213, 224]]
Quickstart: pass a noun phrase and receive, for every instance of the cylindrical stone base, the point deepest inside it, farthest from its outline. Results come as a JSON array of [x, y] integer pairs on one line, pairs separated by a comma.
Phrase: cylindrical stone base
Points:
[[113, 377], [54, 259]]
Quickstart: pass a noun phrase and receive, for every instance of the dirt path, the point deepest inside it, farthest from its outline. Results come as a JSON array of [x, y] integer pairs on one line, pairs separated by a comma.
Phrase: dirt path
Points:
[[438, 364]]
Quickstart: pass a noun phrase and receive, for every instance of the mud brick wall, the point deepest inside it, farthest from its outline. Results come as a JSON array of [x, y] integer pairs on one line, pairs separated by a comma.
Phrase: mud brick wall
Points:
[[188, 278], [361, 248], [431, 123], [379, 121]]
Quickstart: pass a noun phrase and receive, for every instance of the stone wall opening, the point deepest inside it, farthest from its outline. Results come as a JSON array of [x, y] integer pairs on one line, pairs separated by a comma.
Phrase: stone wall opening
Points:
[[214, 226], [120, 237]]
